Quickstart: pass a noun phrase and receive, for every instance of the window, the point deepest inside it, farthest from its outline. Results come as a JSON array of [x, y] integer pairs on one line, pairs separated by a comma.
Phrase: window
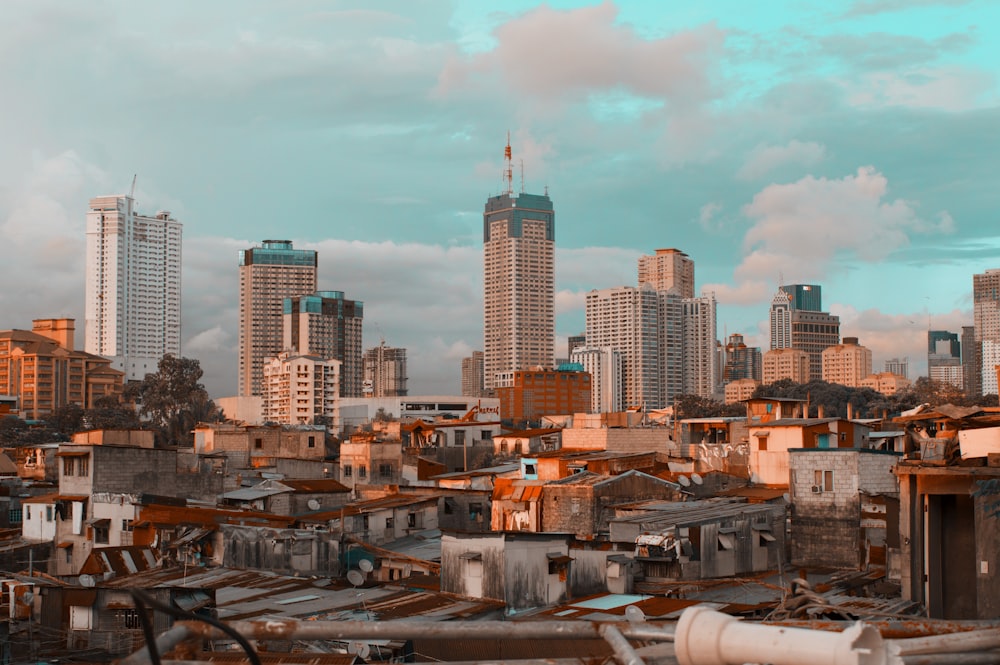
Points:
[[27, 512], [364, 522], [726, 542], [258, 443], [14, 516], [83, 468], [101, 535], [843, 436], [823, 481], [312, 441], [385, 470], [530, 470], [388, 523], [411, 520], [348, 471], [69, 466], [476, 512], [762, 441], [48, 513], [362, 471], [127, 525]]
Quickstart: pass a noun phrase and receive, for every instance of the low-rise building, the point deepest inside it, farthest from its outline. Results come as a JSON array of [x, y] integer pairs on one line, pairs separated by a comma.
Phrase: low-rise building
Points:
[[527, 395], [886, 383], [740, 390], [770, 443], [786, 363], [847, 363], [301, 389]]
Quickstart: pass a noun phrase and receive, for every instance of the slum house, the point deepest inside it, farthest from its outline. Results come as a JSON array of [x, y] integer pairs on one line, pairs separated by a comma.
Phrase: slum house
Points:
[[36, 462], [707, 484], [290, 497], [593, 432], [583, 504], [949, 530], [297, 451], [419, 471], [366, 459], [379, 521], [763, 410], [701, 539], [527, 441], [714, 443], [479, 479], [564, 462], [770, 443], [844, 507], [141, 438], [516, 505]]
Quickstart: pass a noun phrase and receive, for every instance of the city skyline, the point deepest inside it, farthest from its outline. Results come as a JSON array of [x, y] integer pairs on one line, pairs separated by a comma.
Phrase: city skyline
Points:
[[768, 148]]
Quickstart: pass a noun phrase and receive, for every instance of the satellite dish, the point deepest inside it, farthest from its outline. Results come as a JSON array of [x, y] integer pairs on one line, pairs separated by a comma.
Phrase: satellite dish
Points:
[[634, 615], [313, 504], [355, 577], [697, 479], [683, 480], [360, 648], [87, 581], [365, 565]]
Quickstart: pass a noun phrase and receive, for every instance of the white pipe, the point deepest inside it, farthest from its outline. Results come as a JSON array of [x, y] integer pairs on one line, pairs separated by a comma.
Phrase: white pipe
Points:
[[706, 637]]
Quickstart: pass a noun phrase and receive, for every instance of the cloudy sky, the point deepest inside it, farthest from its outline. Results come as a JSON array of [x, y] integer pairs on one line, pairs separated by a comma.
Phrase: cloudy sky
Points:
[[850, 145]]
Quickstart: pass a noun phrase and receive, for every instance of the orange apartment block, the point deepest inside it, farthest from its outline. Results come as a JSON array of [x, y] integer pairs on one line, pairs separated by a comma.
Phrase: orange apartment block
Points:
[[531, 394], [44, 370]]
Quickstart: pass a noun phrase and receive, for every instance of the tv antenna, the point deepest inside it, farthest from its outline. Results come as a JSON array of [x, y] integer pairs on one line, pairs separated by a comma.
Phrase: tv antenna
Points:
[[508, 169]]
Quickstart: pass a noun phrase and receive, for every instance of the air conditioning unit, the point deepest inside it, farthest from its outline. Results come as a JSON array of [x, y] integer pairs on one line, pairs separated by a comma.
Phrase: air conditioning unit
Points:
[[816, 489]]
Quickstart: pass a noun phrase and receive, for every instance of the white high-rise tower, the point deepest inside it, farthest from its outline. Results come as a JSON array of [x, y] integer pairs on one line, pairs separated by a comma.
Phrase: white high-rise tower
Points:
[[133, 285]]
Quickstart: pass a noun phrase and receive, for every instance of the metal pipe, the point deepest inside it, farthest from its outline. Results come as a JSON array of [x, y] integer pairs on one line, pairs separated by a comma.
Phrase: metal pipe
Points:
[[978, 640], [985, 658], [624, 652], [167, 641]]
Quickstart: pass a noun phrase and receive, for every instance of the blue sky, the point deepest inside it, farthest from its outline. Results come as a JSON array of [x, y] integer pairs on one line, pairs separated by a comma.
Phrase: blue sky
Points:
[[848, 144]]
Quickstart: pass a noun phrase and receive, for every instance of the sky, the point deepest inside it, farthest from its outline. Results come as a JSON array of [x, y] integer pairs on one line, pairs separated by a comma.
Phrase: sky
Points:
[[849, 144]]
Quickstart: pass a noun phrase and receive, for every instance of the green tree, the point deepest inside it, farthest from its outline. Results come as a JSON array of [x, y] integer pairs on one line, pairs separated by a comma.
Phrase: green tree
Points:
[[174, 400], [695, 406]]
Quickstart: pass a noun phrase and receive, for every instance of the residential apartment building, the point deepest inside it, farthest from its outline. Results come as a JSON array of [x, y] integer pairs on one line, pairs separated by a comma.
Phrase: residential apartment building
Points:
[[518, 281], [740, 389], [897, 366], [797, 321], [133, 285], [781, 321], [268, 274], [944, 358], [742, 361], [472, 375], [986, 323], [786, 363], [328, 325], [605, 367], [700, 369], [531, 394], [384, 371], [886, 383], [668, 269], [301, 389], [847, 364], [970, 361], [44, 371]]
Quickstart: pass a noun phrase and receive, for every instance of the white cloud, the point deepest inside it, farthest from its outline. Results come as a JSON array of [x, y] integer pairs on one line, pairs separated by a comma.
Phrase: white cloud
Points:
[[947, 88], [766, 158]]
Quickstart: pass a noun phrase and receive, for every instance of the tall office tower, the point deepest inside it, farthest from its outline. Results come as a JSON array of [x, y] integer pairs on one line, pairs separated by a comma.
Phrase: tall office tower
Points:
[[472, 375], [668, 269], [700, 358], [986, 320], [268, 274], [812, 332], [627, 319], [781, 321], [742, 361], [944, 357], [897, 366], [970, 359], [328, 325], [385, 371], [808, 297], [847, 364], [518, 280], [573, 342], [605, 369], [133, 284]]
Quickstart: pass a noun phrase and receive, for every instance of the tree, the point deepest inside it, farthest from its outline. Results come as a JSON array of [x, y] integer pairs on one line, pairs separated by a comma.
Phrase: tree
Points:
[[696, 406], [108, 412], [173, 399]]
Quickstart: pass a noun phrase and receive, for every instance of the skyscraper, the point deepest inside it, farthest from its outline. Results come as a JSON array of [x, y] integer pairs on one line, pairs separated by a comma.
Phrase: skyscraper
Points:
[[268, 274], [133, 285], [472, 375], [986, 321], [798, 322], [385, 371], [808, 297], [944, 357], [328, 325], [605, 369], [781, 321], [701, 366], [518, 280], [970, 361], [668, 269], [742, 361]]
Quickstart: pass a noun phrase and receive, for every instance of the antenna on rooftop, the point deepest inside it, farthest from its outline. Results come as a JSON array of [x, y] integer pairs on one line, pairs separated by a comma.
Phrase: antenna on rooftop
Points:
[[131, 192], [508, 170]]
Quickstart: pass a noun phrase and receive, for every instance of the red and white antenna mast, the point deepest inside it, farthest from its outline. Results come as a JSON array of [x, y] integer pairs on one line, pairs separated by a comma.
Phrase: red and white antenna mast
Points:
[[508, 168]]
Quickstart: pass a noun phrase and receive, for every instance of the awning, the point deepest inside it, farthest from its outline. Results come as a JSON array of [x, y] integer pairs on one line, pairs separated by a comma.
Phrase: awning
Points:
[[766, 535], [559, 558], [106, 522], [73, 453], [727, 541], [65, 545]]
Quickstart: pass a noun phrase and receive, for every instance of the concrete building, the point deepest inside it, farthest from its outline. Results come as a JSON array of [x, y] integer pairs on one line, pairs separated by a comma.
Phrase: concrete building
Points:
[[742, 361], [785, 363], [384, 371], [301, 389], [472, 375], [358, 411], [886, 383], [847, 363], [44, 371], [804, 297], [970, 361], [518, 280], [740, 389], [944, 357], [986, 323], [133, 285], [897, 366], [531, 394], [328, 325], [668, 269], [781, 321], [574, 341], [606, 377], [700, 362], [268, 274], [798, 322]]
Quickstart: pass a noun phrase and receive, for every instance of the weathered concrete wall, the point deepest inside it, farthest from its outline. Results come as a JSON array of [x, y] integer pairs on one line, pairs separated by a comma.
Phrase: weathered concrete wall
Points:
[[474, 578], [653, 439], [286, 551]]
